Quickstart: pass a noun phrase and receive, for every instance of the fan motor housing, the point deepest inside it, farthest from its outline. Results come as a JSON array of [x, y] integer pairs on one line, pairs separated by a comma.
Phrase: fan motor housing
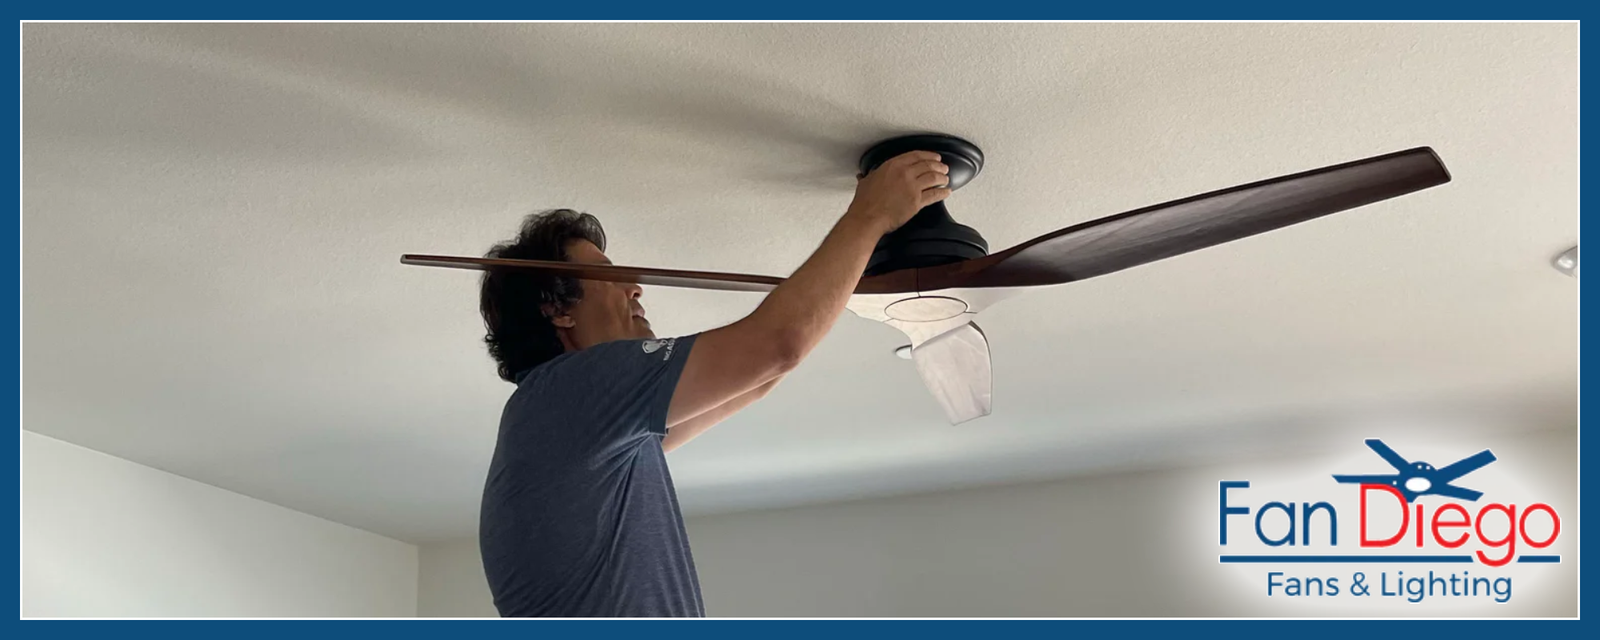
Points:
[[931, 237]]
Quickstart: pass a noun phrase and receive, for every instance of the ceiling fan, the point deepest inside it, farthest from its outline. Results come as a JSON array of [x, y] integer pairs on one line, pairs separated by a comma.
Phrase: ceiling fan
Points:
[[932, 276]]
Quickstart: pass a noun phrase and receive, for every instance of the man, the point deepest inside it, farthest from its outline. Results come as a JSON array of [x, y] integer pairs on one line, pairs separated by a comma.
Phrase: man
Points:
[[579, 514]]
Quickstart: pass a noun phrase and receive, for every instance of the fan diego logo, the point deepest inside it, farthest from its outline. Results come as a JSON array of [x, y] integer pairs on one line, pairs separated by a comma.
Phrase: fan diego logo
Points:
[[1416, 517]]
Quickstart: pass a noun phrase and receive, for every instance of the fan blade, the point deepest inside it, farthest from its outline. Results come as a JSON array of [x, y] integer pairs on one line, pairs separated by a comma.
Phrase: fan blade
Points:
[[955, 367], [1165, 230], [610, 273], [888, 283], [1452, 491], [1464, 466], [1388, 455], [1370, 479]]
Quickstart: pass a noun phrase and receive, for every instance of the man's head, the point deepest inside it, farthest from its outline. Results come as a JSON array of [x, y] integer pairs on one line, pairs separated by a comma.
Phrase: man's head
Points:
[[531, 318]]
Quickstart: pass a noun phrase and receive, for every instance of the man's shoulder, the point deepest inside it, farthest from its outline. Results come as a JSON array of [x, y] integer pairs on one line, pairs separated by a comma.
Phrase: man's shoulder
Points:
[[632, 351], [609, 358]]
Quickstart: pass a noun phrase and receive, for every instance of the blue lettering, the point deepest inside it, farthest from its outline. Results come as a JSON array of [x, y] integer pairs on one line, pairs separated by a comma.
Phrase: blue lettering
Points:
[[1502, 589], [1231, 511], [1288, 512], [1333, 523]]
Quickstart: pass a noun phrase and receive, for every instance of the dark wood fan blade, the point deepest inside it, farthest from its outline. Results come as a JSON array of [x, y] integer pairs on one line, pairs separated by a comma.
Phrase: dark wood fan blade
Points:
[[609, 273], [1165, 230], [900, 282]]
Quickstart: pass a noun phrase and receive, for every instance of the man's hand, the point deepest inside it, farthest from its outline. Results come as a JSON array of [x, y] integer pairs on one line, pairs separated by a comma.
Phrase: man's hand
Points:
[[899, 188]]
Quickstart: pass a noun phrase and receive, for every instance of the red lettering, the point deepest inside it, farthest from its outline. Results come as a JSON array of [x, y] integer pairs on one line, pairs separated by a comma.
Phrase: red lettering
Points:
[[1419, 525], [1450, 518], [1405, 516], [1439, 523], [1509, 542], [1555, 522]]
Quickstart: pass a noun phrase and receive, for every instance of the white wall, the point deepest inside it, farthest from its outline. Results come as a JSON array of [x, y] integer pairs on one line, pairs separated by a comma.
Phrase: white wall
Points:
[[104, 537], [450, 582], [1130, 544]]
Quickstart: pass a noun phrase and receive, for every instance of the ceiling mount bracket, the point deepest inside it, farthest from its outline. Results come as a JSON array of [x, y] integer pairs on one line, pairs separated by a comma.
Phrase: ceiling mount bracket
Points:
[[931, 238]]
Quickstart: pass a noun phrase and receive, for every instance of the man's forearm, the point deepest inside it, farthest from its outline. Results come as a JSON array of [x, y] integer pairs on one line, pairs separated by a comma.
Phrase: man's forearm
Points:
[[732, 361], [805, 306]]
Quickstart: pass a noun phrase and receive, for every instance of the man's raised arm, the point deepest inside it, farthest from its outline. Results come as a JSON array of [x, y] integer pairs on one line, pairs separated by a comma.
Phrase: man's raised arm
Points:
[[728, 362]]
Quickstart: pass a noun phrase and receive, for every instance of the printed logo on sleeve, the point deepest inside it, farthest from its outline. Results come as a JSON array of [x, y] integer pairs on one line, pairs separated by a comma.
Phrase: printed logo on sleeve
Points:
[[652, 346]]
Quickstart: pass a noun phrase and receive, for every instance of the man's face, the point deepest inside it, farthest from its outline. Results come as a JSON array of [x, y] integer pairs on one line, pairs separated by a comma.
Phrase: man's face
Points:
[[608, 311]]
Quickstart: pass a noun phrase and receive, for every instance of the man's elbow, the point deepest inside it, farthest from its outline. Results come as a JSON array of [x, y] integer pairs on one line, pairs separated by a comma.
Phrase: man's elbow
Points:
[[762, 391], [774, 343], [787, 354]]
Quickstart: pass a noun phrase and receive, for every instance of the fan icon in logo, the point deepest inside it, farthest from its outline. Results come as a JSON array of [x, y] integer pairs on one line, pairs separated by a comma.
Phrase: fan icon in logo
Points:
[[652, 346], [1420, 478]]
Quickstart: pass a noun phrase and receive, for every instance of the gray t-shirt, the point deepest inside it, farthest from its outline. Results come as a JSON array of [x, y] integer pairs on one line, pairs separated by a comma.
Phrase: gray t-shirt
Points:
[[579, 515]]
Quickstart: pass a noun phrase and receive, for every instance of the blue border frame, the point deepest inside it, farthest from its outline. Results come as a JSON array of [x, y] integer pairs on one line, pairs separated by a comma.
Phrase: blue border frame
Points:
[[817, 10], [811, 10]]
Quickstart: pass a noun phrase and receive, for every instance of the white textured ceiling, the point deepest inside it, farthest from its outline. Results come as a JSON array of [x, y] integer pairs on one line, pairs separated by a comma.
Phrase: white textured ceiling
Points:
[[213, 216]]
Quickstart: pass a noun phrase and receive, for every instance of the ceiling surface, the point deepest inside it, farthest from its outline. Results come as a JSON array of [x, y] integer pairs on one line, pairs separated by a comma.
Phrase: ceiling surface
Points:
[[213, 217]]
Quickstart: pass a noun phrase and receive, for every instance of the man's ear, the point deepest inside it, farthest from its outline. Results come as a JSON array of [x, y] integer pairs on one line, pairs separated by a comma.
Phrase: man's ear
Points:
[[558, 319]]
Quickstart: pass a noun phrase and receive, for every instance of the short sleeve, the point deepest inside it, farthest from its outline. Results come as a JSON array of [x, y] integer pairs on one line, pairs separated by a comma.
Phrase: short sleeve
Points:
[[622, 388], [673, 354]]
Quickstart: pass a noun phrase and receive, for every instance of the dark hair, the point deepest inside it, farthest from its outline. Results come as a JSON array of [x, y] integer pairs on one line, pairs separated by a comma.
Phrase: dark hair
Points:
[[519, 333]]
